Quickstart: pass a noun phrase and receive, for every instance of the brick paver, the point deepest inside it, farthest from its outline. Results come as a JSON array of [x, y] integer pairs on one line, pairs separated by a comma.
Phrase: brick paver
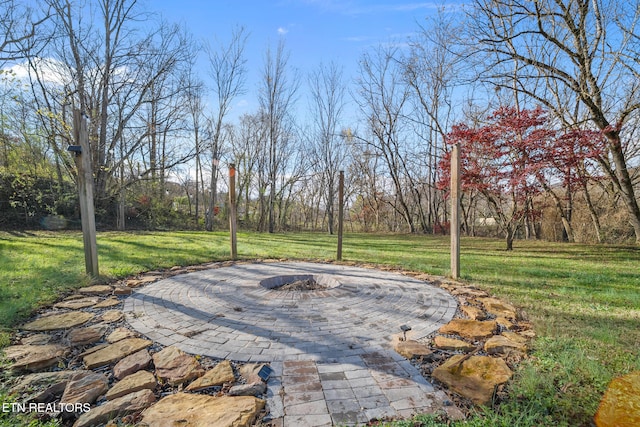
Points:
[[331, 349]]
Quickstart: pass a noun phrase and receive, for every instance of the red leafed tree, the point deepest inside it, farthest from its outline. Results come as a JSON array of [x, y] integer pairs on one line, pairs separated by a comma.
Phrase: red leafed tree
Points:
[[566, 160], [501, 160]]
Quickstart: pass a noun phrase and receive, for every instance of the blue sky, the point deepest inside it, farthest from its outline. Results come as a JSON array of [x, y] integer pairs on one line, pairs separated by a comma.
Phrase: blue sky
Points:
[[314, 30]]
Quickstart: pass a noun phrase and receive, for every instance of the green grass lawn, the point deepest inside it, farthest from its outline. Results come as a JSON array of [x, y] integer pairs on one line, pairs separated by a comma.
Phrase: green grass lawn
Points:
[[584, 301]]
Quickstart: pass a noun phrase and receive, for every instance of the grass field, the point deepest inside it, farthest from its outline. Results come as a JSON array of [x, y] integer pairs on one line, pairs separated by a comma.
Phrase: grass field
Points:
[[584, 301]]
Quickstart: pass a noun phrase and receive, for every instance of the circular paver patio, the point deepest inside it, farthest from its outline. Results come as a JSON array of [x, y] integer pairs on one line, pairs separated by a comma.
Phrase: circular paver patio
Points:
[[330, 349]]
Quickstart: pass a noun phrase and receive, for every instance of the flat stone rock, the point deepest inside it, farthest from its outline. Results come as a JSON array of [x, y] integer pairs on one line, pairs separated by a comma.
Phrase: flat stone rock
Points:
[[84, 336], [500, 344], [250, 371], [175, 366], [452, 344], [85, 387], [253, 389], [35, 357], [43, 386], [108, 302], [77, 303], [122, 290], [198, 410], [514, 336], [218, 375], [121, 406], [114, 352], [466, 291], [410, 349], [119, 334], [111, 316], [58, 321], [474, 378], [473, 313], [620, 405], [499, 308], [96, 290], [134, 283], [36, 339], [132, 363], [474, 329], [141, 380]]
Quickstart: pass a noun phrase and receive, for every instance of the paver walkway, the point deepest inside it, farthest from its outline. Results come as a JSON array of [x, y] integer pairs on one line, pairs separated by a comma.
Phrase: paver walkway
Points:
[[331, 349]]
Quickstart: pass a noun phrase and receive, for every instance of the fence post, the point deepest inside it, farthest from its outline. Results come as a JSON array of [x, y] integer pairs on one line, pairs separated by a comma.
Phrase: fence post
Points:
[[455, 212], [340, 213], [85, 192], [232, 211]]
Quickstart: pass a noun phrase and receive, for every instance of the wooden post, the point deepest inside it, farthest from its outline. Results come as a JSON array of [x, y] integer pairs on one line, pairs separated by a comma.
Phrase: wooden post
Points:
[[455, 212], [340, 213], [85, 192], [232, 211]]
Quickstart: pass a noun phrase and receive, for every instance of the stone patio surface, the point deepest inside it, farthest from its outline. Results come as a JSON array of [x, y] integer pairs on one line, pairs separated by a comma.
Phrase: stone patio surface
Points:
[[331, 350]]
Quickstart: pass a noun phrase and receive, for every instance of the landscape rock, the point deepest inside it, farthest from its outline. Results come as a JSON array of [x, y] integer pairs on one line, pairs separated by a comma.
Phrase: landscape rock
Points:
[[467, 291], [253, 389], [500, 344], [111, 316], [58, 321], [114, 352], [35, 357], [620, 405], [141, 380], [85, 387], [36, 339], [198, 410], [108, 302], [250, 372], [473, 313], [132, 363], [452, 344], [96, 290], [134, 283], [499, 308], [474, 329], [119, 334], [84, 336], [410, 349], [513, 336], [77, 303], [504, 323], [175, 366], [218, 375], [122, 290], [475, 377], [121, 406], [42, 386]]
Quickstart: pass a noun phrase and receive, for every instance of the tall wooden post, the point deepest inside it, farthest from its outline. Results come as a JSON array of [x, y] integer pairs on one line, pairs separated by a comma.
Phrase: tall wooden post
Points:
[[85, 192], [455, 212], [340, 213], [232, 211]]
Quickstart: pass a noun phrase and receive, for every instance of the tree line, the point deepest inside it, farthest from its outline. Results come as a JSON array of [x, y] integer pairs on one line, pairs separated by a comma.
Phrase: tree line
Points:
[[541, 96]]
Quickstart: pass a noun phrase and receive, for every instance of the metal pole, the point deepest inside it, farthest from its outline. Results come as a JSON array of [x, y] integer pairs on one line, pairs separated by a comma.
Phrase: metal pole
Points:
[[455, 212], [85, 193], [232, 211], [340, 213]]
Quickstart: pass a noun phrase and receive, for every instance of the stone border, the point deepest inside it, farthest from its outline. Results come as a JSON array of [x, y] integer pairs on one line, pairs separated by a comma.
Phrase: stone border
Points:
[[67, 346]]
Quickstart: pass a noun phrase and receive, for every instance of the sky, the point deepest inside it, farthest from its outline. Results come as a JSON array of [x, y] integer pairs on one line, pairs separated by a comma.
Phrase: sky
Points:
[[315, 31]]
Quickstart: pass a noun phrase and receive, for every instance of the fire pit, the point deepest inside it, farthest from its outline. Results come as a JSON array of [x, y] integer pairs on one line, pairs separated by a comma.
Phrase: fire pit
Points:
[[299, 282]]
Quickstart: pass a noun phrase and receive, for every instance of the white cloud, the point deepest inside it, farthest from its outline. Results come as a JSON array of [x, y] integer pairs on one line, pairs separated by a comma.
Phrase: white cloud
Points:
[[282, 31]]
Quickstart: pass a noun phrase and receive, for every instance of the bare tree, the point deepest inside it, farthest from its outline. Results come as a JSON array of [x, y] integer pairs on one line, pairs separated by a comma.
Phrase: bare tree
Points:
[[228, 70], [383, 99], [329, 148], [279, 86], [563, 52], [21, 30]]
